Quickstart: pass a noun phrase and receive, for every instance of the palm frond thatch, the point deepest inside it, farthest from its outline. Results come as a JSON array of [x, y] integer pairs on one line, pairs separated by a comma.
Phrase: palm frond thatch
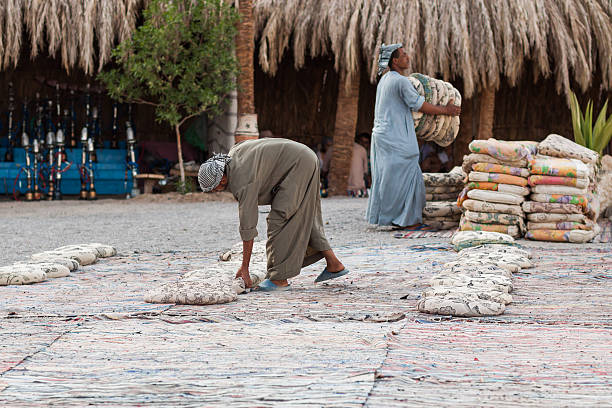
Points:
[[479, 41], [81, 32]]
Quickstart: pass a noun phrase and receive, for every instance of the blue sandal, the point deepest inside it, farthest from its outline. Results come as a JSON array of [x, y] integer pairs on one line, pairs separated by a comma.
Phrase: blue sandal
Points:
[[327, 275], [268, 286]]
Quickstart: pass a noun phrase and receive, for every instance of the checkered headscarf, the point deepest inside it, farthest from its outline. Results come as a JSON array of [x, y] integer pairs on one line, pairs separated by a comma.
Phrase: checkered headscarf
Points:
[[211, 171]]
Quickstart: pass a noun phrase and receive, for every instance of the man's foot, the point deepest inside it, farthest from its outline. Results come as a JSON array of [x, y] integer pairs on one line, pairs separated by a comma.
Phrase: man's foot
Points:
[[269, 286], [281, 283], [327, 275]]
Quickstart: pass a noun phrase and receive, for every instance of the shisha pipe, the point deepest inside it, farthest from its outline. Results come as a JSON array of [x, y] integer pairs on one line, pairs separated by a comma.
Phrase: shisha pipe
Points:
[[72, 140], [91, 195], [131, 142], [36, 151], [59, 140], [11, 140], [25, 142], [50, 151], [114, 141], [83, 193]]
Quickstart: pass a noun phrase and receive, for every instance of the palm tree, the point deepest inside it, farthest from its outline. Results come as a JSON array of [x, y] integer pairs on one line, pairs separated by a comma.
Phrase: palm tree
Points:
[[245, 47]]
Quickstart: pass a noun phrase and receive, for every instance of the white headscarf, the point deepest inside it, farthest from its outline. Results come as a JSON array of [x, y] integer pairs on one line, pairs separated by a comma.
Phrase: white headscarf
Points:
[[385, 55]]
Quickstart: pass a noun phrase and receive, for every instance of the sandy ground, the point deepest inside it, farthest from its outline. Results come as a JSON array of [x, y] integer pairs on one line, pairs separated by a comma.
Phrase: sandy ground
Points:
[[90, 339]]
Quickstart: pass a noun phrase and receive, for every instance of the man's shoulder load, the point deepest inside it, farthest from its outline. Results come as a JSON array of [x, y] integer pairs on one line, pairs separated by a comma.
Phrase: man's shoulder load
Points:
[[440, 129]]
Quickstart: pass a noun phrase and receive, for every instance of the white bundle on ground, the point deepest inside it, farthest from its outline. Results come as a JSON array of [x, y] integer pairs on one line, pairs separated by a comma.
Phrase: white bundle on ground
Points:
[[441, 210], [479, 282], [53, 264], [441, 129], [496, 187], [564, 206], [215, 284]]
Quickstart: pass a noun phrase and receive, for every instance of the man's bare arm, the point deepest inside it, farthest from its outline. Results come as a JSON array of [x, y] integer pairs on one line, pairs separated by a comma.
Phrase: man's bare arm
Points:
[[243, 272], [449, 109]]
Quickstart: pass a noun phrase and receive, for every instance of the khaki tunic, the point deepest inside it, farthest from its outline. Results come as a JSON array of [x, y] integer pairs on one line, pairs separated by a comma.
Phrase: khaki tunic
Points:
[[285, 175]]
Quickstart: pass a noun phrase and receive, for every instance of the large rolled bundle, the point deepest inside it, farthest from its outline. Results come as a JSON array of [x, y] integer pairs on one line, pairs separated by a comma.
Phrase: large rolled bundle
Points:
[[563, 206], [440, 129]]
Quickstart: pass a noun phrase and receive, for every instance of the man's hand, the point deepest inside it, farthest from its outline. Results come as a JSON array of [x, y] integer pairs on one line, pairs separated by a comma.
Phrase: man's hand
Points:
[[243, 273], [451, 109]]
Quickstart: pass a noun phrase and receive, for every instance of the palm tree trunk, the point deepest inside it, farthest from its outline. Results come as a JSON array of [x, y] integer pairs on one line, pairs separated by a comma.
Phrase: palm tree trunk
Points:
[[487, 113], [245, 48], [344, 134]]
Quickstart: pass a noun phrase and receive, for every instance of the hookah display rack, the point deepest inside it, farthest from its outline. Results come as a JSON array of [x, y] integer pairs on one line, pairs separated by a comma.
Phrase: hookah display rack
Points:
[[110, 171]]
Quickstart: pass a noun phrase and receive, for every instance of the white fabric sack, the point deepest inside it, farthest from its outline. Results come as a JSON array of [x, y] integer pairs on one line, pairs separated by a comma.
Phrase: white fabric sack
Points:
[[546, 217], [459, 306], [493, 296], [553, 189], [483, 206], [494, 249], [21, 275], [103, 251], [82, 257], [495, 197], [53, 270], [474, 235]]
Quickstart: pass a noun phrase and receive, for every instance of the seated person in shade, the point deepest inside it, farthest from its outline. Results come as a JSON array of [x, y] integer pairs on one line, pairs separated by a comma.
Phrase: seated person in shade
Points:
[[359, 169]]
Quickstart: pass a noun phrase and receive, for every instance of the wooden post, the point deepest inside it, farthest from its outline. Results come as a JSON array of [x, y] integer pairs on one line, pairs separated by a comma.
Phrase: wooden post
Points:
[[245, 47], [344, 134], [487, 113]]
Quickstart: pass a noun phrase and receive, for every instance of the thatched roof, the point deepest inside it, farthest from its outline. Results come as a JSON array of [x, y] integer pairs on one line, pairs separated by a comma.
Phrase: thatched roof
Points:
[[81, 32], [479, 41]]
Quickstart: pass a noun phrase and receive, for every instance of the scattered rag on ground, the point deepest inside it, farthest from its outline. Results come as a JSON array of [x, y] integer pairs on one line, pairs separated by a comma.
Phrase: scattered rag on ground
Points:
[[215, 284], [398, 191]]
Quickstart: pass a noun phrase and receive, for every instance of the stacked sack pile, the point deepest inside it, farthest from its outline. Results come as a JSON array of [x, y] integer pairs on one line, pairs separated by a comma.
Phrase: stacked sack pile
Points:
[[441, 129], [479, 282], [497, 185], [53, 264], [441, 211], [564, 206]]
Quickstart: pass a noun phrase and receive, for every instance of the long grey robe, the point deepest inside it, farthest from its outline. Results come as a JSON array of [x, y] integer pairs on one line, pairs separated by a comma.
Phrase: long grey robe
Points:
[[398, 191], [285, 175]]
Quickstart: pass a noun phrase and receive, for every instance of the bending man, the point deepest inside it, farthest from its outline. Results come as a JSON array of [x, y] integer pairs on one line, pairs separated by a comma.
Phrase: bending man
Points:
[[398, 192], [285, 175]]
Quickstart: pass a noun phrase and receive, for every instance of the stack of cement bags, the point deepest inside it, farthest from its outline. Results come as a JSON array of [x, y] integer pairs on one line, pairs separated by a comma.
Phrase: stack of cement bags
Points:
[[441, 129], [564, 206], [53, 264], [479, 282], [441, 210], [496, 187]]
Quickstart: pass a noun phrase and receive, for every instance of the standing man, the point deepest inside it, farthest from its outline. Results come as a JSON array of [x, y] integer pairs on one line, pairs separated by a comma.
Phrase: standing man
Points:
[[285, 175], [359, 169], [398, 192]]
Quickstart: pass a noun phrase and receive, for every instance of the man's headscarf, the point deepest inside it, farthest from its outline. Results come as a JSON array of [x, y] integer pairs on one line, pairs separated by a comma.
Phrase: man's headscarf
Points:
[[385, 55], [211, 171]]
